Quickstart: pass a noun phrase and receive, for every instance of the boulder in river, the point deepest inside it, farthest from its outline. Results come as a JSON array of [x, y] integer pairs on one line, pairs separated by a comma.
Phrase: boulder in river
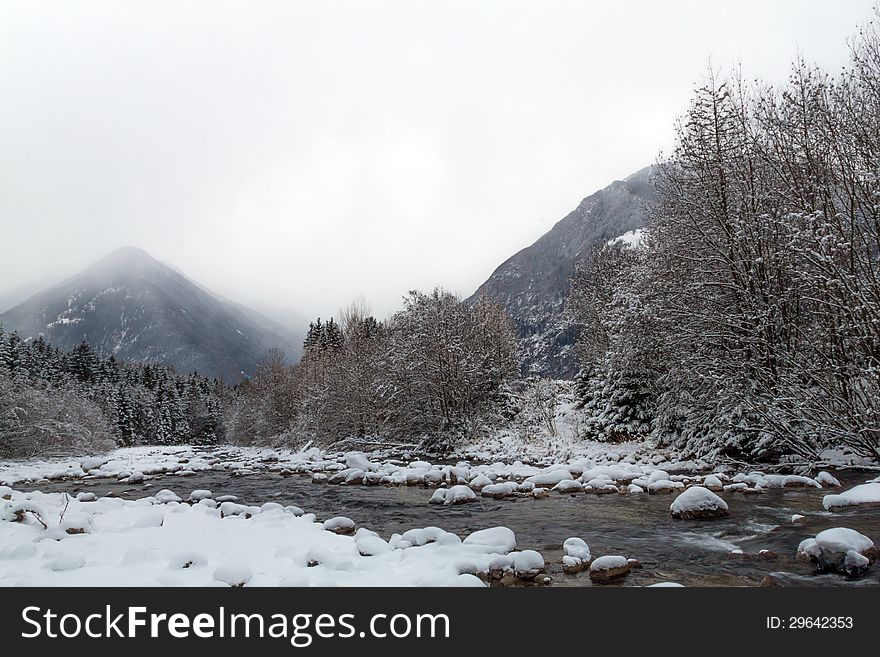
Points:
[[608, 568], [840, 550], [698, 503]]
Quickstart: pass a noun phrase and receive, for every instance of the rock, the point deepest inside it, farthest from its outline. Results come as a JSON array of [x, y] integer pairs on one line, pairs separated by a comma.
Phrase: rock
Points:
[[528, 564], [797, 481], [550, 477], [340, 525], [198, 495], [498, 491], [568, 486], [577, 548], [864, 494], [713, 483], [478, 482], [573, 565], [5, 493], [458, 494], [698, 503], [827, 479], [608, 568], [319, 478], [769, 580], [840, 550]]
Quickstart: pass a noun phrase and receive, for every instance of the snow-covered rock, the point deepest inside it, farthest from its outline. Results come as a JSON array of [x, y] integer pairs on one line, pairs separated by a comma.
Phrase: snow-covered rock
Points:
[[712, 483], [528, 564], [568, 486], [340, 525], [608, 568], [458, 494], [841, 549], [698, 503], [550, 477], [499, 491], [862, 494], [827, 479], [497, 539], [577, 555]]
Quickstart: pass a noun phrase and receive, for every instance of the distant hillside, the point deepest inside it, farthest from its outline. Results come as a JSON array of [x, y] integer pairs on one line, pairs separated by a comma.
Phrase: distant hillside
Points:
[[533, 284], [132, 306]]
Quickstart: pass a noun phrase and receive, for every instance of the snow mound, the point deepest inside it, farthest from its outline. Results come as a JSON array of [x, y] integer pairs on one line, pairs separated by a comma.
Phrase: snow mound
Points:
[[340, 525], [841, 549], [609, 568], [862, 494], [495, 539], [550, 477], [528, 564], [234, 574], [458, 494], [568, 486], [698, 503]]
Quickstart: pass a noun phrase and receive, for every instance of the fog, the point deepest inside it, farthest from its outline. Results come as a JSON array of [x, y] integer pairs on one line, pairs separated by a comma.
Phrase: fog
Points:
[[301, 153]]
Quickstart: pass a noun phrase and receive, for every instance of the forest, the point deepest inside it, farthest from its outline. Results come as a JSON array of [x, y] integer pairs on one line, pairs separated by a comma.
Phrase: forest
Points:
[[748, 321]]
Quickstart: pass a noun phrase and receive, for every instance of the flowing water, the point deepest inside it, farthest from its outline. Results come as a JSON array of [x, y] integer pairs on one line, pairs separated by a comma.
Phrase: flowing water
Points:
[[693, 553]]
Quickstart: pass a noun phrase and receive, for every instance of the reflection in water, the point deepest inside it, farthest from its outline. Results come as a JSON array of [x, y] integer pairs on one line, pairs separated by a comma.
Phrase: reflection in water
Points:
[[694, 553]]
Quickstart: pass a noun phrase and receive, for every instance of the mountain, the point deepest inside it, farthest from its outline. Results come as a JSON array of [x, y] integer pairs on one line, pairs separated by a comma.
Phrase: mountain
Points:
[[136, 308], [533, 284]]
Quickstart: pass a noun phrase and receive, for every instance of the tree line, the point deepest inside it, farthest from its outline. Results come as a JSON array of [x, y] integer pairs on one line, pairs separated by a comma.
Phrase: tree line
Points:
[[56, 402], [749, 322], [430, 373]]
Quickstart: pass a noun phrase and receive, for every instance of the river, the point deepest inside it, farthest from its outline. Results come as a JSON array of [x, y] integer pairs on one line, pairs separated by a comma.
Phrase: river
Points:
[[693, 553]]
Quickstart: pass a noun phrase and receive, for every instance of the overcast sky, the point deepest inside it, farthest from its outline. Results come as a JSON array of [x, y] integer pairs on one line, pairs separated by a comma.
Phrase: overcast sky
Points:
[[302, 153]]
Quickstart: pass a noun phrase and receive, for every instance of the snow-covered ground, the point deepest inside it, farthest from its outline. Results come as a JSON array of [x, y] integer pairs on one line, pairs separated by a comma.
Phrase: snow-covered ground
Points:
[[52, 539]]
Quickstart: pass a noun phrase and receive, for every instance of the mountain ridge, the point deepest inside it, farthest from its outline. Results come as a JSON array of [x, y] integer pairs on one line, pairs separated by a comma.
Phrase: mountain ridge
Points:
[[131, 306], [533, 283]]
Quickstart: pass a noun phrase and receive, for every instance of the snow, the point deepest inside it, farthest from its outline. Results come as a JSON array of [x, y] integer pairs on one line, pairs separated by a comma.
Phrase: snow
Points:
[[550, 477], [496, 539], [258, 546], [453, 495], [234, 574], [863, 494], [568, 486], [838, 539], [712, 482], [697, 500], [841, 549], [577, 548], [528, 564], [339, 525], [632, 239], [610, 562], [826, 479]]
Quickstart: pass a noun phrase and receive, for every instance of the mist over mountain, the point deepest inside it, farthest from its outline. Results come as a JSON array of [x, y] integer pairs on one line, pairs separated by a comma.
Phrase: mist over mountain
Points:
[[136, 308], [533, 284]]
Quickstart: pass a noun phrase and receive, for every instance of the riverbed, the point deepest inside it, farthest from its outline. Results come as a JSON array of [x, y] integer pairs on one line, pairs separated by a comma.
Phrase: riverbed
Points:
[[692, 553]]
